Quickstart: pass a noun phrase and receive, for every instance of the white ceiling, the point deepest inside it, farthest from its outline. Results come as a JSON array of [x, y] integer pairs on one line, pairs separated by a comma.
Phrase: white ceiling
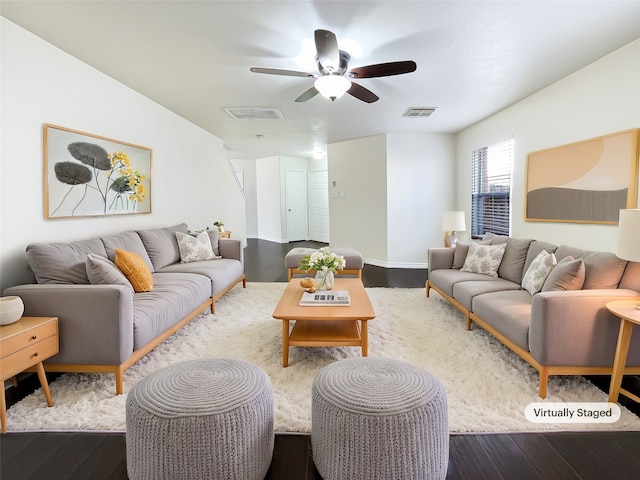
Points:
[[193, 57]]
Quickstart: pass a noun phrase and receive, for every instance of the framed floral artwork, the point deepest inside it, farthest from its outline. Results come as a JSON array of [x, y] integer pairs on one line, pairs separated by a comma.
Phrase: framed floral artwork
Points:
[[90, 175]]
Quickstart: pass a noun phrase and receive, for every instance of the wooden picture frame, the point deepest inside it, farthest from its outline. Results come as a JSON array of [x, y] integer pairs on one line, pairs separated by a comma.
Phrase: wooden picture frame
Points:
[[88, 175], [583, 182]]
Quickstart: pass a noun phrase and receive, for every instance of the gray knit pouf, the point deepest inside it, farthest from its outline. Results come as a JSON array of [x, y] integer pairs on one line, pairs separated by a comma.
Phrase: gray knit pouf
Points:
[[201, 419], [376, 418]]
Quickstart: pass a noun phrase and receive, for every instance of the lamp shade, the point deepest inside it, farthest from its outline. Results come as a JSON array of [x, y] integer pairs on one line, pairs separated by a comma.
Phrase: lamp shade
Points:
[[332, 86], [629, 235], [453, 222]]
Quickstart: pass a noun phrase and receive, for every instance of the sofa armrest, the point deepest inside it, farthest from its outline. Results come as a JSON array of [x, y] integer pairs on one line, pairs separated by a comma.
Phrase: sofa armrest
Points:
[[231, 248], [574, 328], [95, 322], [440, 258]]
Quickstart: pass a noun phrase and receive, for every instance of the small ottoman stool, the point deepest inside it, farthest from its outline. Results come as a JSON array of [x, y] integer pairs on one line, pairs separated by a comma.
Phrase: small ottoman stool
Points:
[[354, 263], [201, 419], [376, 418]]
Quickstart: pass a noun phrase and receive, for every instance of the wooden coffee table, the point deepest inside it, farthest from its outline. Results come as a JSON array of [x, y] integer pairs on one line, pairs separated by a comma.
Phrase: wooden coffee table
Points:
[[324, 326]]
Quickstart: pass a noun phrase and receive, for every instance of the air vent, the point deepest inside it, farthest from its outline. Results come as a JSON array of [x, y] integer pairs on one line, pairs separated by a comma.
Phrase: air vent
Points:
[[418, 112], [254, 113]]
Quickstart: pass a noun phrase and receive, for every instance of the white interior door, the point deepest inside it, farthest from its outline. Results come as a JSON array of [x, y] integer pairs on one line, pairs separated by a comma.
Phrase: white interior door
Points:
[[296, 205], [319, 206]]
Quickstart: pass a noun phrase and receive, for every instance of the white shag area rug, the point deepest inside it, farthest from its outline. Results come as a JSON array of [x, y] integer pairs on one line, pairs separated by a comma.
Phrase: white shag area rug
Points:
[[488, 387]]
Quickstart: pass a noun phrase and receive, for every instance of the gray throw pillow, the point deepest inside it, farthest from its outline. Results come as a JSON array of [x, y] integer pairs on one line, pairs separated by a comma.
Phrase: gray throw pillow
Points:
[[460, 254], [102, 271], [568, 274]]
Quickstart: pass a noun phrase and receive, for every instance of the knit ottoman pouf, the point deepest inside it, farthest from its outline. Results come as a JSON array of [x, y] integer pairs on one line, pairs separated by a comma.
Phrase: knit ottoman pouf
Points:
[[375, 419], [201, 419]]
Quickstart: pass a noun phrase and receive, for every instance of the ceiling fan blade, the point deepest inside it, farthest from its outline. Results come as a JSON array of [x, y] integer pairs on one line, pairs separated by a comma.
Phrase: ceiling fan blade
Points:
[[275, 71], [362, 93], [308, 95], [384, 69], [327, 48]]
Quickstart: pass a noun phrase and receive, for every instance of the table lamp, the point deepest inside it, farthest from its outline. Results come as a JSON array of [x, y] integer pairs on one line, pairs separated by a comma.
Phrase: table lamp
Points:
[[629, 236], [452, 222]]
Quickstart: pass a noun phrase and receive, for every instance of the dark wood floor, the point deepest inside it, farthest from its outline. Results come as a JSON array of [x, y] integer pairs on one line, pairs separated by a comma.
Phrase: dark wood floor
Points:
[[521, 456]]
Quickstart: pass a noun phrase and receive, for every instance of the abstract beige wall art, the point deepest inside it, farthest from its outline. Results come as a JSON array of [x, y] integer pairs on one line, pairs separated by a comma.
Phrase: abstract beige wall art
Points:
[[584, 182]]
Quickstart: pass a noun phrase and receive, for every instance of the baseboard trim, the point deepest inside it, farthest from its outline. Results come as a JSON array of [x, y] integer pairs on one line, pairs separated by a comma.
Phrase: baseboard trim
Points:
[[379, 263]]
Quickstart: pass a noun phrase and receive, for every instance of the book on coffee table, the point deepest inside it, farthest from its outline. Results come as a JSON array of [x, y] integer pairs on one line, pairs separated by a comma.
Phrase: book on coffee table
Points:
[[325, 297]]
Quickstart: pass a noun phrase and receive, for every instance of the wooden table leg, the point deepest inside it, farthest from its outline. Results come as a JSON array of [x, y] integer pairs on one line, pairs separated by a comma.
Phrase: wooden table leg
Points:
[[3, 412], [364, 333], [43, 382], [285, 343], [622, 349]]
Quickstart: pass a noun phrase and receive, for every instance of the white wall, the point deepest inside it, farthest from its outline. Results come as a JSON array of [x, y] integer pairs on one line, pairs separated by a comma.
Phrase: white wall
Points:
[[191, 181], [396, 187], [359, 218], [602, 98], [268, 198], [420, 187], [248, 167]]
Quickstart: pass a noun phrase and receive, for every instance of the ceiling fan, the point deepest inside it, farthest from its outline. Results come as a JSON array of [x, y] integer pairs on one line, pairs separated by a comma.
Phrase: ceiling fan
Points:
[[334, 77]]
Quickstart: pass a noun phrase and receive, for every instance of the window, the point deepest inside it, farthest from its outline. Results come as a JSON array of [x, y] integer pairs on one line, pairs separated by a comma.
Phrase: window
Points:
[[491, 189]]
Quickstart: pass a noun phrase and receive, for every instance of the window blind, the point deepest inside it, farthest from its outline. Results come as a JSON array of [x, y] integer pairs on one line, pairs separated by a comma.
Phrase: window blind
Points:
[[491, 189]]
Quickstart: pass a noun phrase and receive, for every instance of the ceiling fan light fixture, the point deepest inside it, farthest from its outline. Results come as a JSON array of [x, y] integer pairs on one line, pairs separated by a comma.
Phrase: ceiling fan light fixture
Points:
[[332, 86]]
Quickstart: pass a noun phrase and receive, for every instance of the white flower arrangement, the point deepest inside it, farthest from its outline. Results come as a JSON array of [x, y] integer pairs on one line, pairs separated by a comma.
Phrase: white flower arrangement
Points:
[[323, 260]]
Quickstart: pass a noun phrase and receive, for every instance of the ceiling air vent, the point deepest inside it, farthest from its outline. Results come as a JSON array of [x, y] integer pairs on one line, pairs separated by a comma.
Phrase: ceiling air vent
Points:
[[418, 112], [254, 113]]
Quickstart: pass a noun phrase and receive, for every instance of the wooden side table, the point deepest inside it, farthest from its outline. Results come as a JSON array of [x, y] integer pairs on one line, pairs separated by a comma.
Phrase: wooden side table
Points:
[[23, 345], [225, 234], [629, 316]]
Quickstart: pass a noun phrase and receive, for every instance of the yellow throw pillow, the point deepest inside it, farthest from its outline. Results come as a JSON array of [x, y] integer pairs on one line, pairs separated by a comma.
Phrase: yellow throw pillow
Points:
[[135, 269]]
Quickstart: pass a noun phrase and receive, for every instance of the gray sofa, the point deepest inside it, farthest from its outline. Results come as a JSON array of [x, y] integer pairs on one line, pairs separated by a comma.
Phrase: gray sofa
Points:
[[564, 329], [104, 325]]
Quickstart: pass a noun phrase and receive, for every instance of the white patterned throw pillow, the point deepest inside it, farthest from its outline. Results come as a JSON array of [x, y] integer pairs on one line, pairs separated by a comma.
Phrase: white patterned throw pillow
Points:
[[538, 272], [194, 249], [484, 259]]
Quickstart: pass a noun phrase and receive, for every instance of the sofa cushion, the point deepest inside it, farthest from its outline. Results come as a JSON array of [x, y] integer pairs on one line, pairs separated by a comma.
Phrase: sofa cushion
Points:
[[631, 277], [128, 241], [460, 254], [602, 269], [213, 238], [220, 272], [484, 259], [515, 255], [509, 312], [446, 279], [161, 244], [538, 272], [135, 269], [194, 248], [568, 274], [102, 271], [465, 292], [174, 296], [63, 262]]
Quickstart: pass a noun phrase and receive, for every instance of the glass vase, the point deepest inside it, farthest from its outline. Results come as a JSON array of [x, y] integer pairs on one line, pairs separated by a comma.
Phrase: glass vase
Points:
[[324, 280]]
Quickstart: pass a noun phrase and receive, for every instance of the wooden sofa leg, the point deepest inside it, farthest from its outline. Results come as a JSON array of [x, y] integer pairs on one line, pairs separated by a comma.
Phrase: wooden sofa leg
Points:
[[213, 307], [427, 288], [469, 323], [119, 380], [289, 274], [544, 379]]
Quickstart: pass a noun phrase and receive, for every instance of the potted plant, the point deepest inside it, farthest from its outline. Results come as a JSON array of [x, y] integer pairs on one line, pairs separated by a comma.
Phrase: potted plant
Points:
[[220, 225]]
